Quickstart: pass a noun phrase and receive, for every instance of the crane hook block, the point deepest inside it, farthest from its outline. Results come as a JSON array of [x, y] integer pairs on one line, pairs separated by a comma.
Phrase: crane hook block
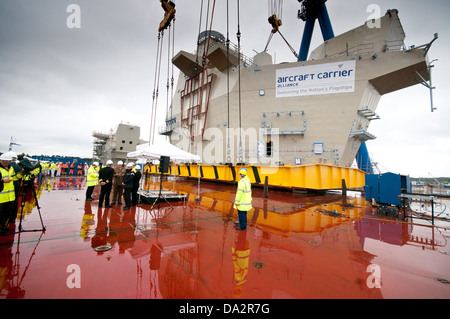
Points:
[[169, 15], [275, 22]]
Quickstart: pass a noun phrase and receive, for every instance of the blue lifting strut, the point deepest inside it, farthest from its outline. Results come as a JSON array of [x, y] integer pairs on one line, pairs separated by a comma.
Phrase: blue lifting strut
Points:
[[310, 11], [363, 159]]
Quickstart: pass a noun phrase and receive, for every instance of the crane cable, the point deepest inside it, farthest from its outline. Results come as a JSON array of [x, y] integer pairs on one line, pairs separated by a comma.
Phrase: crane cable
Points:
[[290, 47], [228, 89], [275, 14], [238, 34], [204, 70], [172, 80], [159, 50], [188, 132], [276, 7], [191, 130], [204, 55], [169, 58], [156, 87], [199, 30], [268, 41]]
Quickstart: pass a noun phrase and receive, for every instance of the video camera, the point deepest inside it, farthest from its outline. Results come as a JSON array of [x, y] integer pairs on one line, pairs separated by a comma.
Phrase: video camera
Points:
[[27, 166]]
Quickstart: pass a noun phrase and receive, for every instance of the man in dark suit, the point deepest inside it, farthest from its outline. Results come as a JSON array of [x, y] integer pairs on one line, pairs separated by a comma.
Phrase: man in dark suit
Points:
[[128, 183], [105, 179], [136, 180]]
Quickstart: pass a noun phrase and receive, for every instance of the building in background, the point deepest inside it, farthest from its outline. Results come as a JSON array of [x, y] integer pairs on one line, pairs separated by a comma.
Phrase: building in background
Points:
[[117, 143]]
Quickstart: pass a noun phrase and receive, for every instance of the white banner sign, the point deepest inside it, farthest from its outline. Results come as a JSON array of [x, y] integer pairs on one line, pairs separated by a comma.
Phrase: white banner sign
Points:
[[329, 78]]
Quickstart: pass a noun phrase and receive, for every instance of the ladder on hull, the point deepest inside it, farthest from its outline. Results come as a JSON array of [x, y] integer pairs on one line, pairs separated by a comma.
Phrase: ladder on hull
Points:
[[194, 104]]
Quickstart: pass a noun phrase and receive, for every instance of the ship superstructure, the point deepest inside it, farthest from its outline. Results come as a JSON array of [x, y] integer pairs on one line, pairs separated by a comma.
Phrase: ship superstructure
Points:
[[241, 110]]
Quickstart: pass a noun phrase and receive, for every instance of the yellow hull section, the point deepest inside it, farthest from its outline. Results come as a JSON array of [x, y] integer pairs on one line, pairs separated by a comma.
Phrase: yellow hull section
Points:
[[311, 176]]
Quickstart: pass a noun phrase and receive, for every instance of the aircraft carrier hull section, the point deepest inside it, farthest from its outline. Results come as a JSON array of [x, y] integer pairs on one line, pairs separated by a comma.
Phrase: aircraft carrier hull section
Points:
[[254, 112]]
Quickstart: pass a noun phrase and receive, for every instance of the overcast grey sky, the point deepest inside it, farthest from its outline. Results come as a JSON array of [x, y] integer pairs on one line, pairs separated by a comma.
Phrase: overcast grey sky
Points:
[[59, 84]]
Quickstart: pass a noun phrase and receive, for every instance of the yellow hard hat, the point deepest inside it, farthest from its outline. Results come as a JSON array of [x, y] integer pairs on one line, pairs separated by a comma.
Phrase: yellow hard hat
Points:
[[243, 171]]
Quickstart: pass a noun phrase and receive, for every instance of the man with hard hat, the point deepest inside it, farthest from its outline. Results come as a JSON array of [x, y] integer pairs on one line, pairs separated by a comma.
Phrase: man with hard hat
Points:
[[53, 168], [243, 200], [128, 182], [105, 178], [17, 183], [7, 194], [91, 180], [119, 171]]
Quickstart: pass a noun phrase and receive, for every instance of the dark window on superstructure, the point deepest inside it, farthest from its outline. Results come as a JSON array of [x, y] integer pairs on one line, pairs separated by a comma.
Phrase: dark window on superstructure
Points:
[[269, 149], [131, 142], [123, 141]]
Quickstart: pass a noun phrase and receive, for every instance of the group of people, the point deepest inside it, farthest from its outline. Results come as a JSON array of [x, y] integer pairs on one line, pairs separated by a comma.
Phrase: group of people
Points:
[[62, 169], [49, 168], [126, 181], [123, 181]]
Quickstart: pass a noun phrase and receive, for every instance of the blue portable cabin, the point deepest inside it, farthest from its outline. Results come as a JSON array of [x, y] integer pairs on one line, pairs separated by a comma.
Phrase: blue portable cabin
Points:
[[386, 188]]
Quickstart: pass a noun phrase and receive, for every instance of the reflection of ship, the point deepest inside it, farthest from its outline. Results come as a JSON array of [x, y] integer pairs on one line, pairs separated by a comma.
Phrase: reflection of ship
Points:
[[305, 112]]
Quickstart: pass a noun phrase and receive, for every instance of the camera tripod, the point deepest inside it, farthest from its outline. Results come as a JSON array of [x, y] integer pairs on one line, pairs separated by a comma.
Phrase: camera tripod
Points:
[[28, 184], [160, 195]]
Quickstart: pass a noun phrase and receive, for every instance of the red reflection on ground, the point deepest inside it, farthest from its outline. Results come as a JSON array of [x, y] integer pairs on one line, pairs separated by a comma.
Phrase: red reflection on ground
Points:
[[296, 246]]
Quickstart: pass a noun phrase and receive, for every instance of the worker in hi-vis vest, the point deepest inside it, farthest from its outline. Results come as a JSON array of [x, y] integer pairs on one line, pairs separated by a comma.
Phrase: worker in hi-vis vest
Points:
[[8, 210], [91, 180], [243, 200]]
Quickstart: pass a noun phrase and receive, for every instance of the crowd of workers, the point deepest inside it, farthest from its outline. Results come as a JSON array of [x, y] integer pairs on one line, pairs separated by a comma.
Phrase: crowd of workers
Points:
[[57, 169]]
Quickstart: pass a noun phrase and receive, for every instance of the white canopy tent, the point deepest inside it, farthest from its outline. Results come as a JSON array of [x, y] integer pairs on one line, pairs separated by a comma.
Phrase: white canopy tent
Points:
[[163, 148]]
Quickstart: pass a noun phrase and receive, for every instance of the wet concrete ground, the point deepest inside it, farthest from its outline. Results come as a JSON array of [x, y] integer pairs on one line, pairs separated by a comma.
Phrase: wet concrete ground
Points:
[[296, 246]]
